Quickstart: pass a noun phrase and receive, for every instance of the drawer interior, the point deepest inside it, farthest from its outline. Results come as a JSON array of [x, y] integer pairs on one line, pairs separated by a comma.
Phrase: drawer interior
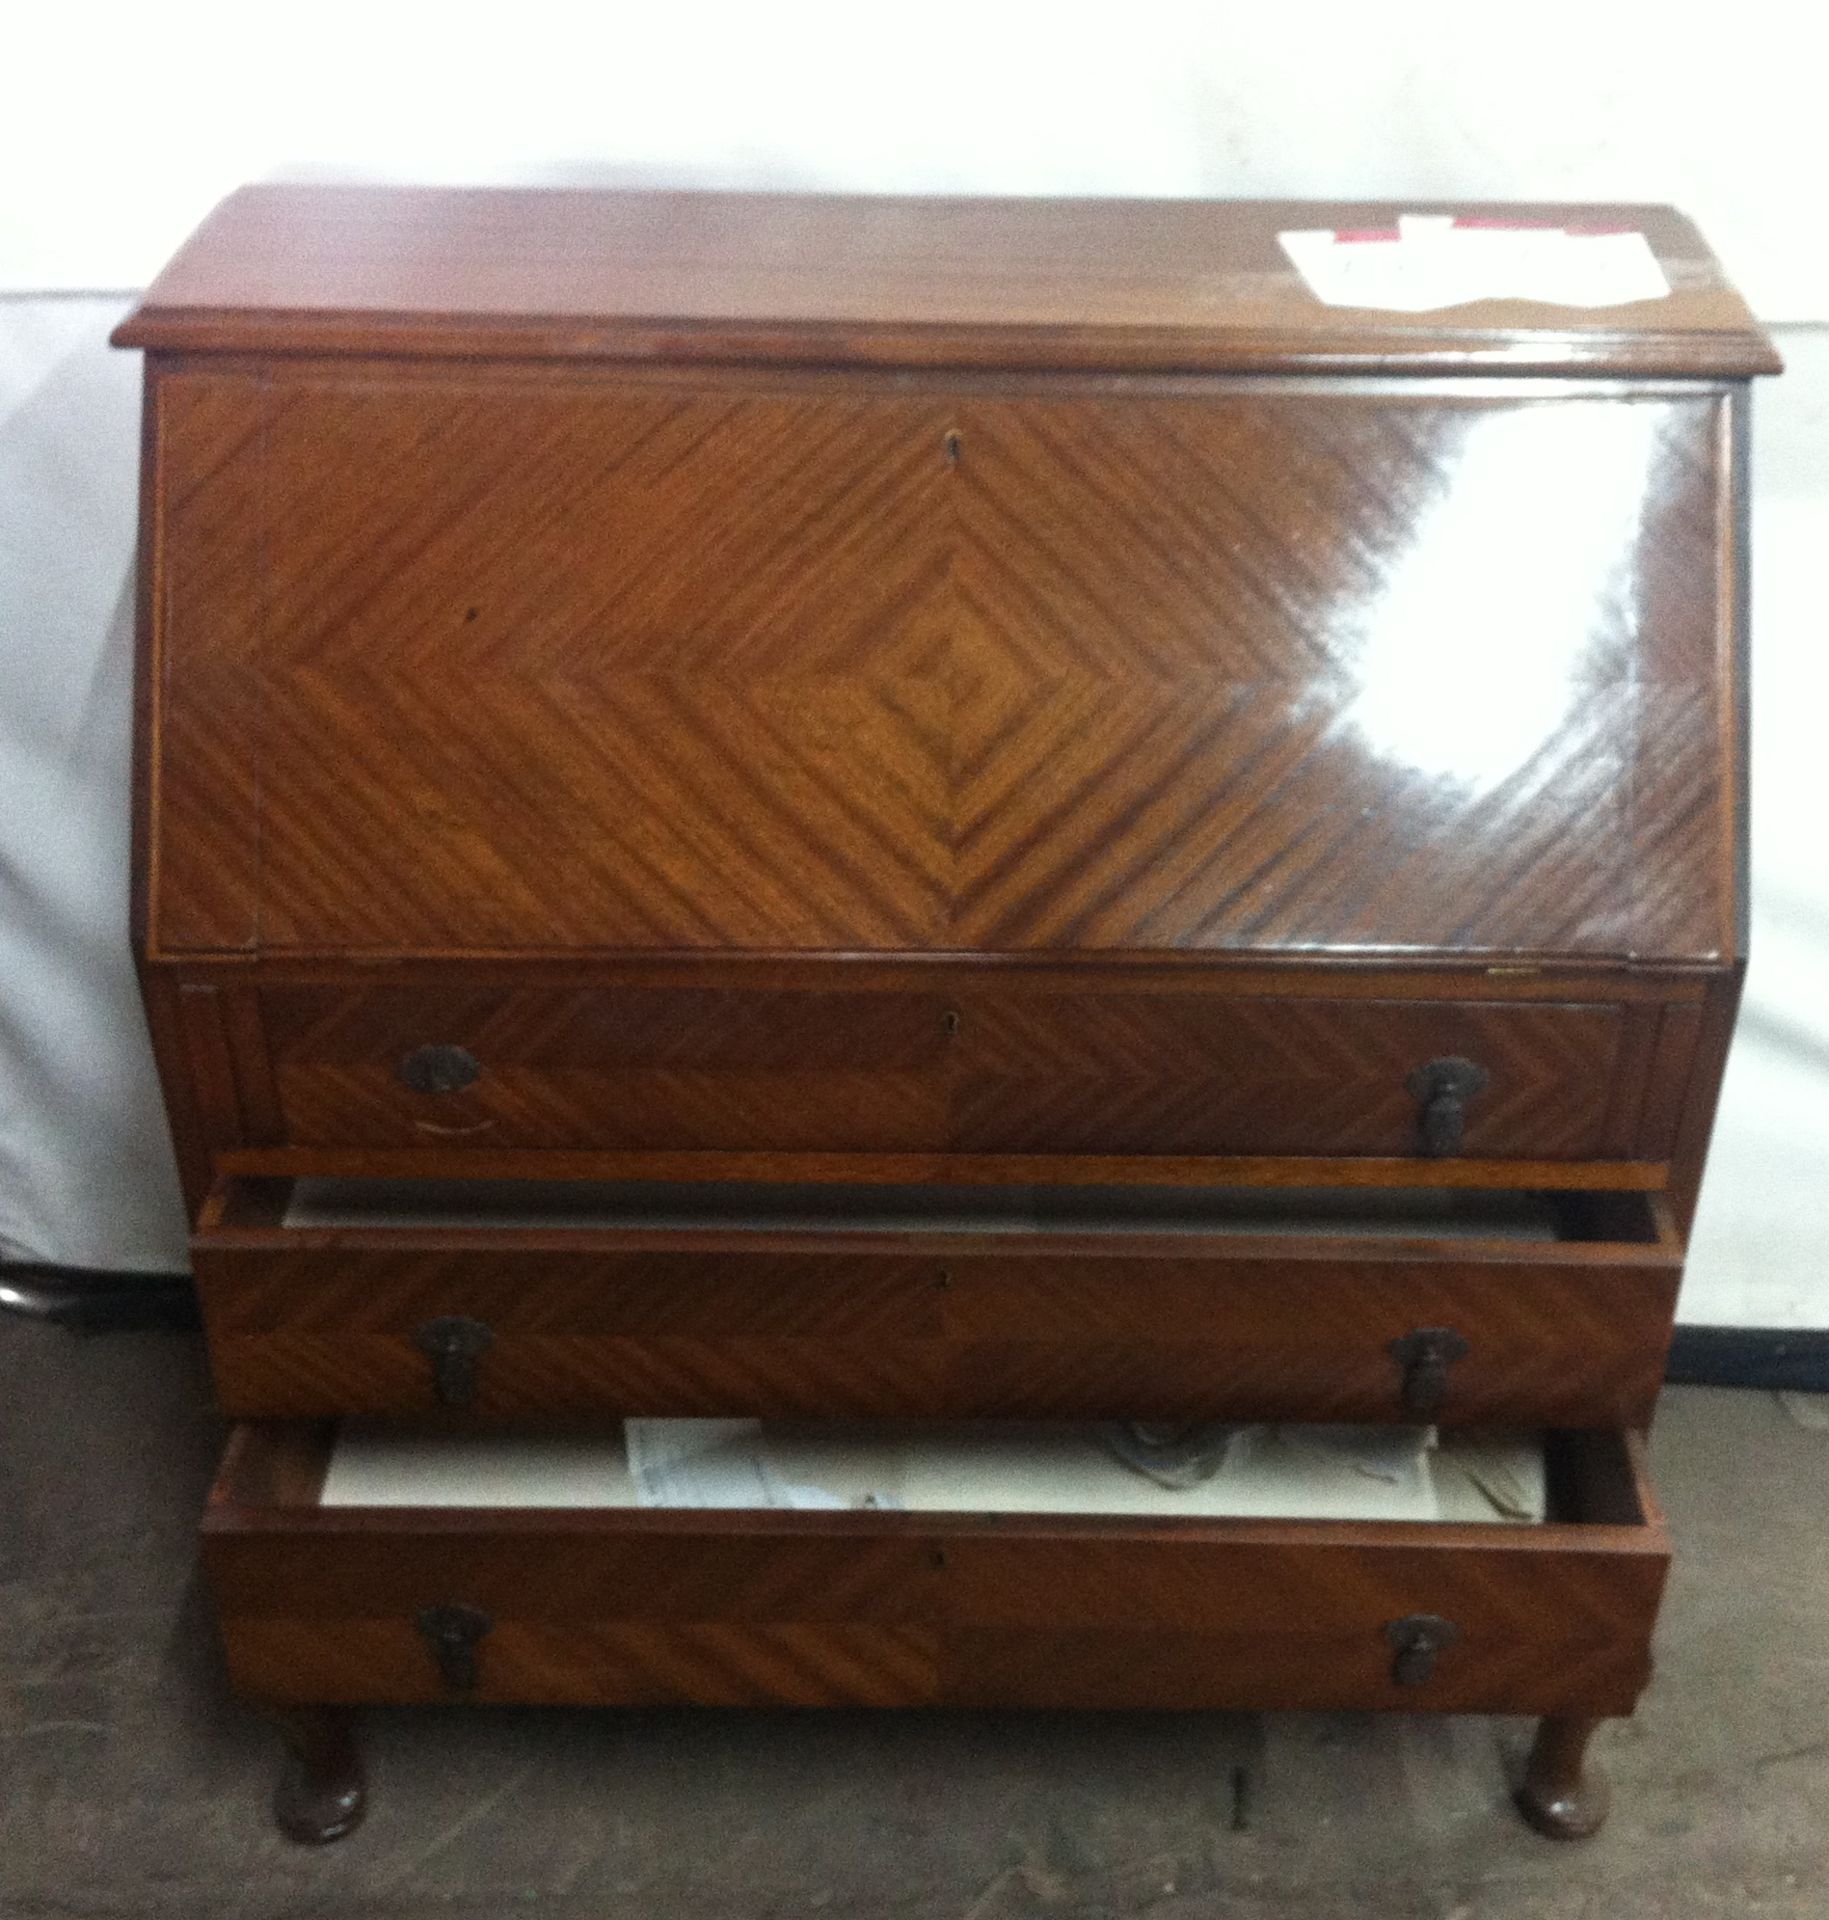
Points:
[[1074, 1469], [325, 1205], [982, 1474]]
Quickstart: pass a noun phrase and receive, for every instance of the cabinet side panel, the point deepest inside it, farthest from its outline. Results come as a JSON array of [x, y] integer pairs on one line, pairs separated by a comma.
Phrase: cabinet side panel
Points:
[[1686, 798], [203, 769]]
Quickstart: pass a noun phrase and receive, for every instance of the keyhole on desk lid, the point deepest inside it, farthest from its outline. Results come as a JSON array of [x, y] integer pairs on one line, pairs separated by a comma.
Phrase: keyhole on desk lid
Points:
[[952, 441]]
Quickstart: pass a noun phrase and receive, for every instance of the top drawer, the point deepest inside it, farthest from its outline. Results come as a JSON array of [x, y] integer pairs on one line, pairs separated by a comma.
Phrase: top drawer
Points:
[[450, 661], [979, 1067]]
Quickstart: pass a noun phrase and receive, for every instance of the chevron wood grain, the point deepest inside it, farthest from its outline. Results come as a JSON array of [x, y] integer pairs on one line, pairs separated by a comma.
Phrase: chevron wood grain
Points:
[[1189, 1074], [207, 595], [1038, 1667], [644, 1663], [1246, 1330], [1683, 867], [982, 1069], [638, 1607], [873, 667], [782, 689]]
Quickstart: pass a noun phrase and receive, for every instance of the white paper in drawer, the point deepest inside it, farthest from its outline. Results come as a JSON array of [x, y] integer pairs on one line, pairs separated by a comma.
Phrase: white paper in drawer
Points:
[[1296, 1473]]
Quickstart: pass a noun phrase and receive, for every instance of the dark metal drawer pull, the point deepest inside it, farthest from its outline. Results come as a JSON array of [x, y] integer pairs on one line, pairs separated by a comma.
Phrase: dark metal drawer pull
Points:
[[1418, 1638], [1443, 1089], [452, 1632], [454, 1344], [1425, 1357], [439, 1069]]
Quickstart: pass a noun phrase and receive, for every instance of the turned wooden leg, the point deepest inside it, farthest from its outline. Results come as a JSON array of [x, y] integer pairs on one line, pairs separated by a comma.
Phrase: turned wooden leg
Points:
[[1560, 1797], [321, 1794]]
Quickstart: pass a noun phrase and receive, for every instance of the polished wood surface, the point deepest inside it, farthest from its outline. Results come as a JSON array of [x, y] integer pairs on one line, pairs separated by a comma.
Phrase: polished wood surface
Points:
[[1561, 1795], [940, 1322], [846, 669], [322, 1792], [683, 687], [1696, 1119], [650, 1606], [878, 280], [986, 1068], [964, 1169], [926, 1047]]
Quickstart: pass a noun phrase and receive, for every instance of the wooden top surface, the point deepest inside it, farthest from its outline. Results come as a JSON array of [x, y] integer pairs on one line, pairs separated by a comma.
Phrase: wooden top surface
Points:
[[878, 281]]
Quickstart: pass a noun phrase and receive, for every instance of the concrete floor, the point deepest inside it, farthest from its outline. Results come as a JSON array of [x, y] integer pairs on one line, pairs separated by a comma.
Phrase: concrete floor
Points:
[[131, 1784]]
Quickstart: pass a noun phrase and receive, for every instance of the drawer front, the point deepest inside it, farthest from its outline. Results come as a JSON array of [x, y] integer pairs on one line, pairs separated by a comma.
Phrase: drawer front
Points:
[[981, 1069], [630, 1607], [612, 1069], [1197, 1074], [489, 1325]]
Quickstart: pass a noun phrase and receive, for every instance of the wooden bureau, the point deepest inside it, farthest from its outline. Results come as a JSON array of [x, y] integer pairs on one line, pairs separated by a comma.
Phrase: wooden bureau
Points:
[[806, 808]]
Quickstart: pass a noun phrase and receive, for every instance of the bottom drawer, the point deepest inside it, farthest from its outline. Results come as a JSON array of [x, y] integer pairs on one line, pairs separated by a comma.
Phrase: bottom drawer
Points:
[[465, 1594]]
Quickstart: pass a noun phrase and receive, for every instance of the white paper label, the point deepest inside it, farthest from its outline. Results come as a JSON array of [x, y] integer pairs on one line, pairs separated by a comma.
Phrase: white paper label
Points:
[[1442, 260]]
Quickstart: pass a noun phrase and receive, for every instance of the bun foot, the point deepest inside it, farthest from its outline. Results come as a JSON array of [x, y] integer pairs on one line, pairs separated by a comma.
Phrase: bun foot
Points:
[[1560, 1797], [321, 1794]]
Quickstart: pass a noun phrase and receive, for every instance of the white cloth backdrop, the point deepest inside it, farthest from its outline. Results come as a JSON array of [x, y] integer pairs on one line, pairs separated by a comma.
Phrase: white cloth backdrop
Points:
[[123, 124]]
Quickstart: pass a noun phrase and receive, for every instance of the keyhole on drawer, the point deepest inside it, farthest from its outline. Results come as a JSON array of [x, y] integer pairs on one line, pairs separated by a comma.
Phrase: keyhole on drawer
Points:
[[943, 1279], [1415, 1641], [950, 1023], [454, 1344], [453, 1633], [439, 1069], [937, 1559], [952, 443], [1442, 1090], [470, 613]]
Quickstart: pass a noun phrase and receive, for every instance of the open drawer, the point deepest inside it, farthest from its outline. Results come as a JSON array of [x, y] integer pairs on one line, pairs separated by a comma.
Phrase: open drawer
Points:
[[604, 1601], [509, 1300]]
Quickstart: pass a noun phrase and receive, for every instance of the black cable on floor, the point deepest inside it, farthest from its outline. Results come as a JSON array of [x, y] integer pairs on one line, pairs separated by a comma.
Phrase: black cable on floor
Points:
[[98, 1299]]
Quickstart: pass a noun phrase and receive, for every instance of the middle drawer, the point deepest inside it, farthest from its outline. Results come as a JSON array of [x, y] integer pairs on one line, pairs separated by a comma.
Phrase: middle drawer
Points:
[[505, 1300]]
